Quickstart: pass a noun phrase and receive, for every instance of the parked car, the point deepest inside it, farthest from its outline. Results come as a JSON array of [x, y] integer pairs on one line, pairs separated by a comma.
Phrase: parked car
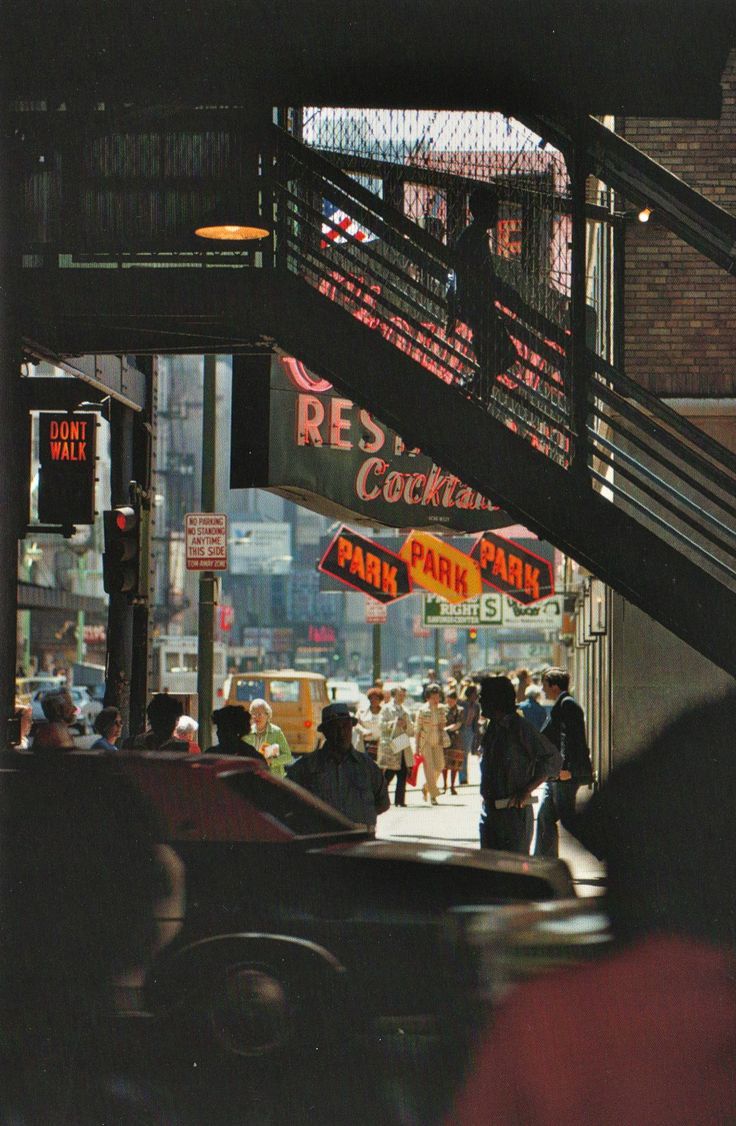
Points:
[[294, 916], [90, 706], [346, 692], [96, 694], [26, 687], [415, 690]]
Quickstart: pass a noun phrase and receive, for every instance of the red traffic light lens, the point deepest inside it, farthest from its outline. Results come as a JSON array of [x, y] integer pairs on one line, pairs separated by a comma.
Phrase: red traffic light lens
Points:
[[125, 518]]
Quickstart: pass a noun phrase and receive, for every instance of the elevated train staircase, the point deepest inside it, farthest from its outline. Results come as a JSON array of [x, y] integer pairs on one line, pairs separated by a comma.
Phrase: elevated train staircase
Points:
[[567, 444]]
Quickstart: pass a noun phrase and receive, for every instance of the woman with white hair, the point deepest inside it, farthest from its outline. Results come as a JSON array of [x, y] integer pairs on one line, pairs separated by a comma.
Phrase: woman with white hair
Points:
[[186, 730], [532, 709], [268, 739]]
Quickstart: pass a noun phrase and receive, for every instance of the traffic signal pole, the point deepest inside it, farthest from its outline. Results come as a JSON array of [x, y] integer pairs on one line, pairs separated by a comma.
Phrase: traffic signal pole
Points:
[[127, 558], [120, 611], [205, 647], [144, 465]]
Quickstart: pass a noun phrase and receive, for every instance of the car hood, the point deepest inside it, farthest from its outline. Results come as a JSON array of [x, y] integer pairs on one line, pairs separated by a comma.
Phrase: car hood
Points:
[[555, 872]]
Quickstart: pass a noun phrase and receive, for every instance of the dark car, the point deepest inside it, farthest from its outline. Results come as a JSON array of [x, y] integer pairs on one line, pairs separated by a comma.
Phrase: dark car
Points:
[[293, 916]]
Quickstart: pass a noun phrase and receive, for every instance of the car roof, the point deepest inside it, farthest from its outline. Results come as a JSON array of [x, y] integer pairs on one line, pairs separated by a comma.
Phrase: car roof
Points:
[[197, 797], [286, 674]]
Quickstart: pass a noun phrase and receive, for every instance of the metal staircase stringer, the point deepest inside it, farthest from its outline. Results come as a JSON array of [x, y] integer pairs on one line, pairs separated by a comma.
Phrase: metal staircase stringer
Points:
[[555, 504], [697, 220]]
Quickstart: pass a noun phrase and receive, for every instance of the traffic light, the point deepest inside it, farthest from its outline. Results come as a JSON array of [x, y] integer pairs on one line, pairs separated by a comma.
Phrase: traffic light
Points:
[[121, 561], [472, 634]]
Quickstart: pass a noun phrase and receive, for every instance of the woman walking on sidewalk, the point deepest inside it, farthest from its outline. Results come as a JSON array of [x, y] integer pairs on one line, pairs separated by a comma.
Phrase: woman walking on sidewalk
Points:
[[395, 756], [453, 753], [432, 740]]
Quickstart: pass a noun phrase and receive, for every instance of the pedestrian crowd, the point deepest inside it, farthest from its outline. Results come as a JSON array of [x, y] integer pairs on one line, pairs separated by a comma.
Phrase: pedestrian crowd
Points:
[[530, 752]]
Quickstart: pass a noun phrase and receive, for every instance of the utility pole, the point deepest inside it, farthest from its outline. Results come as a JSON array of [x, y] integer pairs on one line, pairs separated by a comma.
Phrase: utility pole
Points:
[[376, 651], [207, 581]]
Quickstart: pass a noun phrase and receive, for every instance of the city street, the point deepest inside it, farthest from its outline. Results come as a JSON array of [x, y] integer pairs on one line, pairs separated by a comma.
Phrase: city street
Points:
[[455, 821]]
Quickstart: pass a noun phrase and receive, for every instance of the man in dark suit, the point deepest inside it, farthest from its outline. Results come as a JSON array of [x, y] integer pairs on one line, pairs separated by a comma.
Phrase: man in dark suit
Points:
[[566, 729]]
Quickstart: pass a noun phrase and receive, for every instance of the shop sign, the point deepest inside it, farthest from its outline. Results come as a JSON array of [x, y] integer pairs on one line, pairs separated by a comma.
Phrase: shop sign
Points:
[[293, 434], [259, 547], [225, 617], [366, 566], [321, 635], [545, 614], [94, 635], [418, 630], [440, 568], [67, 466], [484, 610], [493, 610], [512, 569]]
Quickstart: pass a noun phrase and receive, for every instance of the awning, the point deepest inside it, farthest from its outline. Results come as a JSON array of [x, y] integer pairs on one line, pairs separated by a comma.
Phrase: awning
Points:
[[34, 597]]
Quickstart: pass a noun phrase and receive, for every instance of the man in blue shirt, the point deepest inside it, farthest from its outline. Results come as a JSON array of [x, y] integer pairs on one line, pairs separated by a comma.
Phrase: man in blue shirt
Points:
[[531, 709], [345, 778]]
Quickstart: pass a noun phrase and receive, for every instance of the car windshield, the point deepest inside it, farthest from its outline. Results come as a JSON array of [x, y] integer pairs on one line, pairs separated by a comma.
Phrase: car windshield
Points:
[[247, 690], [287, 803]]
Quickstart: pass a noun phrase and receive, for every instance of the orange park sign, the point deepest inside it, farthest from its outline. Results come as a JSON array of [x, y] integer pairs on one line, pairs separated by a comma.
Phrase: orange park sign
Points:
[[512, 569], [366, 566], [441, 568]]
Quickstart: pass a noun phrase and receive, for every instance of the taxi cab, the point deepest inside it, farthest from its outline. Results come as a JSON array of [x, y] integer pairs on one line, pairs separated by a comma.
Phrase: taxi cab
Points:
[[296, 698]]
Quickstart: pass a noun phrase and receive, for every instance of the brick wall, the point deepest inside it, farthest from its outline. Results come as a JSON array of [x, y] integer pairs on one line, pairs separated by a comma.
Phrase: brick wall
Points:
[[680, 307]]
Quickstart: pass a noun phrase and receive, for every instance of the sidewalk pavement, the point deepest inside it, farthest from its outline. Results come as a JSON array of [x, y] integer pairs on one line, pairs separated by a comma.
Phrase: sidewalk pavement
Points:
[[454, 820]]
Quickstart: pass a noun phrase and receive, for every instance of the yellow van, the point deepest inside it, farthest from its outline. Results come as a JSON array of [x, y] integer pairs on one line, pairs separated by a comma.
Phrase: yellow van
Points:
[[297, 699]]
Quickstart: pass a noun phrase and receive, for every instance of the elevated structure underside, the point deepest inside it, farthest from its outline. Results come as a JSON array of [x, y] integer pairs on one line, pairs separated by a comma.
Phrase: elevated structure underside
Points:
[[658, 58]]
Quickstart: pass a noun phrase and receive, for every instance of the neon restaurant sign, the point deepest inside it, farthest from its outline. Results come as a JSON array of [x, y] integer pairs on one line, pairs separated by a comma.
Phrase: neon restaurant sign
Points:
[[294, 434]]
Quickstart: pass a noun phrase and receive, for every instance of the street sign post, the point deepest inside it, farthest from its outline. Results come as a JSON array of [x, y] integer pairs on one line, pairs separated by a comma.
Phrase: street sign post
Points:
[[206, 541]]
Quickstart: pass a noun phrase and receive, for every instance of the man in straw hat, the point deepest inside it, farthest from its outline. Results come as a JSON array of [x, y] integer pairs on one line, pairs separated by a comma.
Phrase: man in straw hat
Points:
[[347, 779]]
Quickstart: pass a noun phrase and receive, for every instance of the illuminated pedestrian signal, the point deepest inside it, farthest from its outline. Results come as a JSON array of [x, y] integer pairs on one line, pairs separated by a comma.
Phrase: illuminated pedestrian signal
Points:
[[122, 558], [472, 634]]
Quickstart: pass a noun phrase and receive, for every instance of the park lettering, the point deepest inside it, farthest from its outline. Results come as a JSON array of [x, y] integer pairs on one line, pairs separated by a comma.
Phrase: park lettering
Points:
[[509, 568], [366, 566]]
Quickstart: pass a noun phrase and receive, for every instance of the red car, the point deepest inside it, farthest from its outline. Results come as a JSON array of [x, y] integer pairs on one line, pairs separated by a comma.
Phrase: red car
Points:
[[293, 916]]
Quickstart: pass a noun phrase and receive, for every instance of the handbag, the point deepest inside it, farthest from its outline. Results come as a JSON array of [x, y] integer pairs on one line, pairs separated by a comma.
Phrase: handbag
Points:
[[400, 742], [413, 773]]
